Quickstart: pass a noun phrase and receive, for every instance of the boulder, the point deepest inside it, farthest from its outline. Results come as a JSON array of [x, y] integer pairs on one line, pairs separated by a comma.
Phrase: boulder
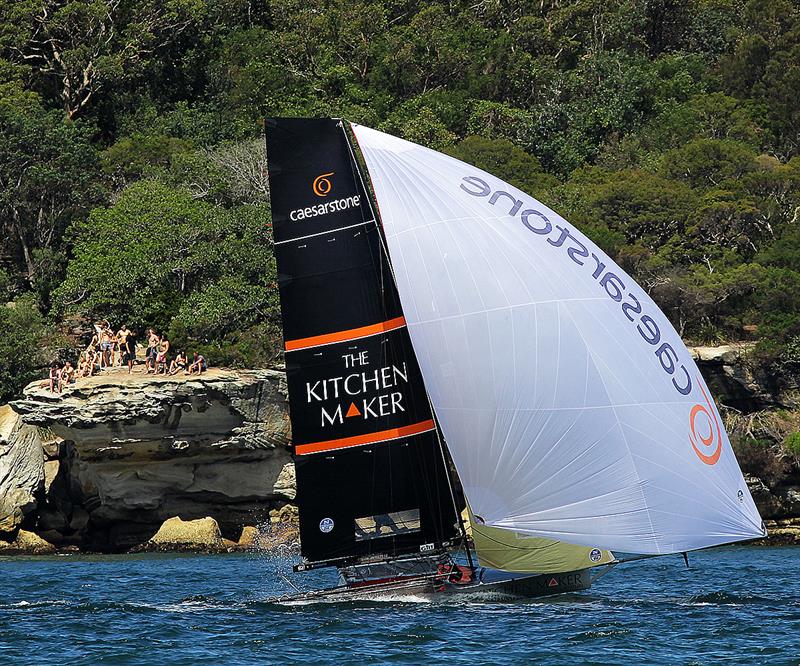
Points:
[[286, 483], [280, 538], [249, 537], [789, 497], [21, 469], [50, 473], [27, 543], [288, 514], [51, 448], [203, 533], [768, 505], [723, 355]]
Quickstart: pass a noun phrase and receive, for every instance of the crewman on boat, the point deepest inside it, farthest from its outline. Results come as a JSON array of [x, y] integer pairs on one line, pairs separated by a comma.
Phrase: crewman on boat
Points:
[[456, 574]]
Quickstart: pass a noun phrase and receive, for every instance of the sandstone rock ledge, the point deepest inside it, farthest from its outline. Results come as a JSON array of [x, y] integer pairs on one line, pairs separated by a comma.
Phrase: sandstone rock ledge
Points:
[[138, 449], [21, 469]]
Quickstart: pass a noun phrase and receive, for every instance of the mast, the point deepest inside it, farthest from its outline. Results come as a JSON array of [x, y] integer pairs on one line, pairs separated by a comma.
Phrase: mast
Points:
[[370, 477], [375, 211]]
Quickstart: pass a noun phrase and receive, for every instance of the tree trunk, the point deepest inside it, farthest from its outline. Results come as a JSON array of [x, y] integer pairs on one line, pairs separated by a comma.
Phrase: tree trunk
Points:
[[23, 243]]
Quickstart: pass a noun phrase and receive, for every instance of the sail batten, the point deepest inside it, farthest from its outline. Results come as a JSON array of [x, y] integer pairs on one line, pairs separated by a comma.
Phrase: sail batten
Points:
[[570, 405]]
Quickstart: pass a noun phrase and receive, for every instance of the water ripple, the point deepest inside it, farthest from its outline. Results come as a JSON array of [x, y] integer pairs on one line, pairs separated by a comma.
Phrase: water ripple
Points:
[[735, 605]]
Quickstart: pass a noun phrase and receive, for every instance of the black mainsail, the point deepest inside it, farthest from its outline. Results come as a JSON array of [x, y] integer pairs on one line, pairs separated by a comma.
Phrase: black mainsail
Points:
[[370, 472]]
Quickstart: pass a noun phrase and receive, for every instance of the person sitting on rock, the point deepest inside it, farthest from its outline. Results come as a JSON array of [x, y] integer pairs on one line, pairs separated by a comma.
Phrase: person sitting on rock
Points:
[[67, 375], [55, 378], [198, 364], [94, 357], [178, 363], [84, 366]]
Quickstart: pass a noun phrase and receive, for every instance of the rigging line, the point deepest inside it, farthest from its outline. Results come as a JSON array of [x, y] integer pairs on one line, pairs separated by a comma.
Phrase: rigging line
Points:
[[369, 193]]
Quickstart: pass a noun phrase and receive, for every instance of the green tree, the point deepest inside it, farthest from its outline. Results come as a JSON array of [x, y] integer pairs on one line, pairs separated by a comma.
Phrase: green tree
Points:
[[21, 345], [159, 255], [77, 48], [48, 175], [503, 159]]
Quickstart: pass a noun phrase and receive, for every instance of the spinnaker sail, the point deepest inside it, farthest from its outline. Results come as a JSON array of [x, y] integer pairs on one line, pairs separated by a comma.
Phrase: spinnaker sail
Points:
[[507, 550], [570, 405]]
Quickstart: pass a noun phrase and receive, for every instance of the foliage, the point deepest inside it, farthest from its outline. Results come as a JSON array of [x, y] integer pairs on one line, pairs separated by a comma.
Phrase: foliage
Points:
[[48, 175], [159, 257], [669, 132], [21, 344], [762, 458], [792, 443]]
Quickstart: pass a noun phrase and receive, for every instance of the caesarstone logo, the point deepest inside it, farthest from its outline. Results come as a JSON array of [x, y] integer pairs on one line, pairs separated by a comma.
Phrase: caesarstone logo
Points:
[[558, 236], [710, 434], [322, 186]]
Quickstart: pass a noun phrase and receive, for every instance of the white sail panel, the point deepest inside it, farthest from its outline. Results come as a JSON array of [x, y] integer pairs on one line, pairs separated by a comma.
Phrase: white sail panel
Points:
[[570, 405]]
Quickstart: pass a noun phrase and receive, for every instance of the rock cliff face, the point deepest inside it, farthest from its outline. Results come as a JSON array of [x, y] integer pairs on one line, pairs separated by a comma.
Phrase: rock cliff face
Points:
[[21, 469], [137, 450]]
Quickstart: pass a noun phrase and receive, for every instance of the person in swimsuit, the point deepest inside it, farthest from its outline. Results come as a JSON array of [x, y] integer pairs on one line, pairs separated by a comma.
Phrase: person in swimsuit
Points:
[[178, 363], [153, 342], [66, 376], [106, 347], [161, 358], [127, 347], [55, 378], [93, 357]]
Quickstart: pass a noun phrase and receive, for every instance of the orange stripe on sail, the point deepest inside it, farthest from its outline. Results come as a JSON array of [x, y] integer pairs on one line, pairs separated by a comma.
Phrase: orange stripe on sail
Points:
[[369, 438], [344, 336]]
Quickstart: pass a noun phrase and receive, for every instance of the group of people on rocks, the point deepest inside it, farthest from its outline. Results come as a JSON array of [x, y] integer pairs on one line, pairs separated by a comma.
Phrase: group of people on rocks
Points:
[[108, 349]]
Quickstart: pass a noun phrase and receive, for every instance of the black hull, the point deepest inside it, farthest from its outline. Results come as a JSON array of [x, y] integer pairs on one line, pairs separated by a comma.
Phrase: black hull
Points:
[[489, 585]]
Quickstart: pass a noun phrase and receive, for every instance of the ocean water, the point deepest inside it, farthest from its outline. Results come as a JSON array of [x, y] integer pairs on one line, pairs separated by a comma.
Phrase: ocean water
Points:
[[737, 605]]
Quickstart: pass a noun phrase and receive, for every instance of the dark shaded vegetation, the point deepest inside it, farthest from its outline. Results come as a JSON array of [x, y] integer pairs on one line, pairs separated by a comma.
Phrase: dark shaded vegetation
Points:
[[131, 170]]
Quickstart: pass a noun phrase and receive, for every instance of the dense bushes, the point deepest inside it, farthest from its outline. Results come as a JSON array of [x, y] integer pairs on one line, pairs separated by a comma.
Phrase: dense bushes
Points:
[[131, 169]]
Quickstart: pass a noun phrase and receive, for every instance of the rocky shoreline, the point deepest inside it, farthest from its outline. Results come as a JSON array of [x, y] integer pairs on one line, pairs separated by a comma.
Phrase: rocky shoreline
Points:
[[139, 463], [105, 466]]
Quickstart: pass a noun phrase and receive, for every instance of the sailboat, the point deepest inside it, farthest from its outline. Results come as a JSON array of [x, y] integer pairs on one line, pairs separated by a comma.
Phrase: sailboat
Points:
[[446, 333]]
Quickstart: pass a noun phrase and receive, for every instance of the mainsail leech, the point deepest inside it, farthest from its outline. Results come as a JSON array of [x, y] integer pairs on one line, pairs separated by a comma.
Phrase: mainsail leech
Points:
[[570, 405]]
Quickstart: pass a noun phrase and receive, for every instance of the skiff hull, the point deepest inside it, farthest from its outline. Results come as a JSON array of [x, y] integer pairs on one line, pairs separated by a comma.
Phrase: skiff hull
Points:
[[488, 584]]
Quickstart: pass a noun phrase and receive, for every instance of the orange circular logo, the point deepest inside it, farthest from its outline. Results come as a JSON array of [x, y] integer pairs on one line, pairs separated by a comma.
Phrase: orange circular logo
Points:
[[322, 185], [705, 429]]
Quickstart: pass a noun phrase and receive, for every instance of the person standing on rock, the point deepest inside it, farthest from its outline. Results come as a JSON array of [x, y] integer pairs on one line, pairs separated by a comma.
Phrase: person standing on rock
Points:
[[153, 342], [106, 346], [161, 358], [55, 378], [127, 346]]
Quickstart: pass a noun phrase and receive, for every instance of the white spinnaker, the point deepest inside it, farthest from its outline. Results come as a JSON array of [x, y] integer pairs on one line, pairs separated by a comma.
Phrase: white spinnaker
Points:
[[562, 419]]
